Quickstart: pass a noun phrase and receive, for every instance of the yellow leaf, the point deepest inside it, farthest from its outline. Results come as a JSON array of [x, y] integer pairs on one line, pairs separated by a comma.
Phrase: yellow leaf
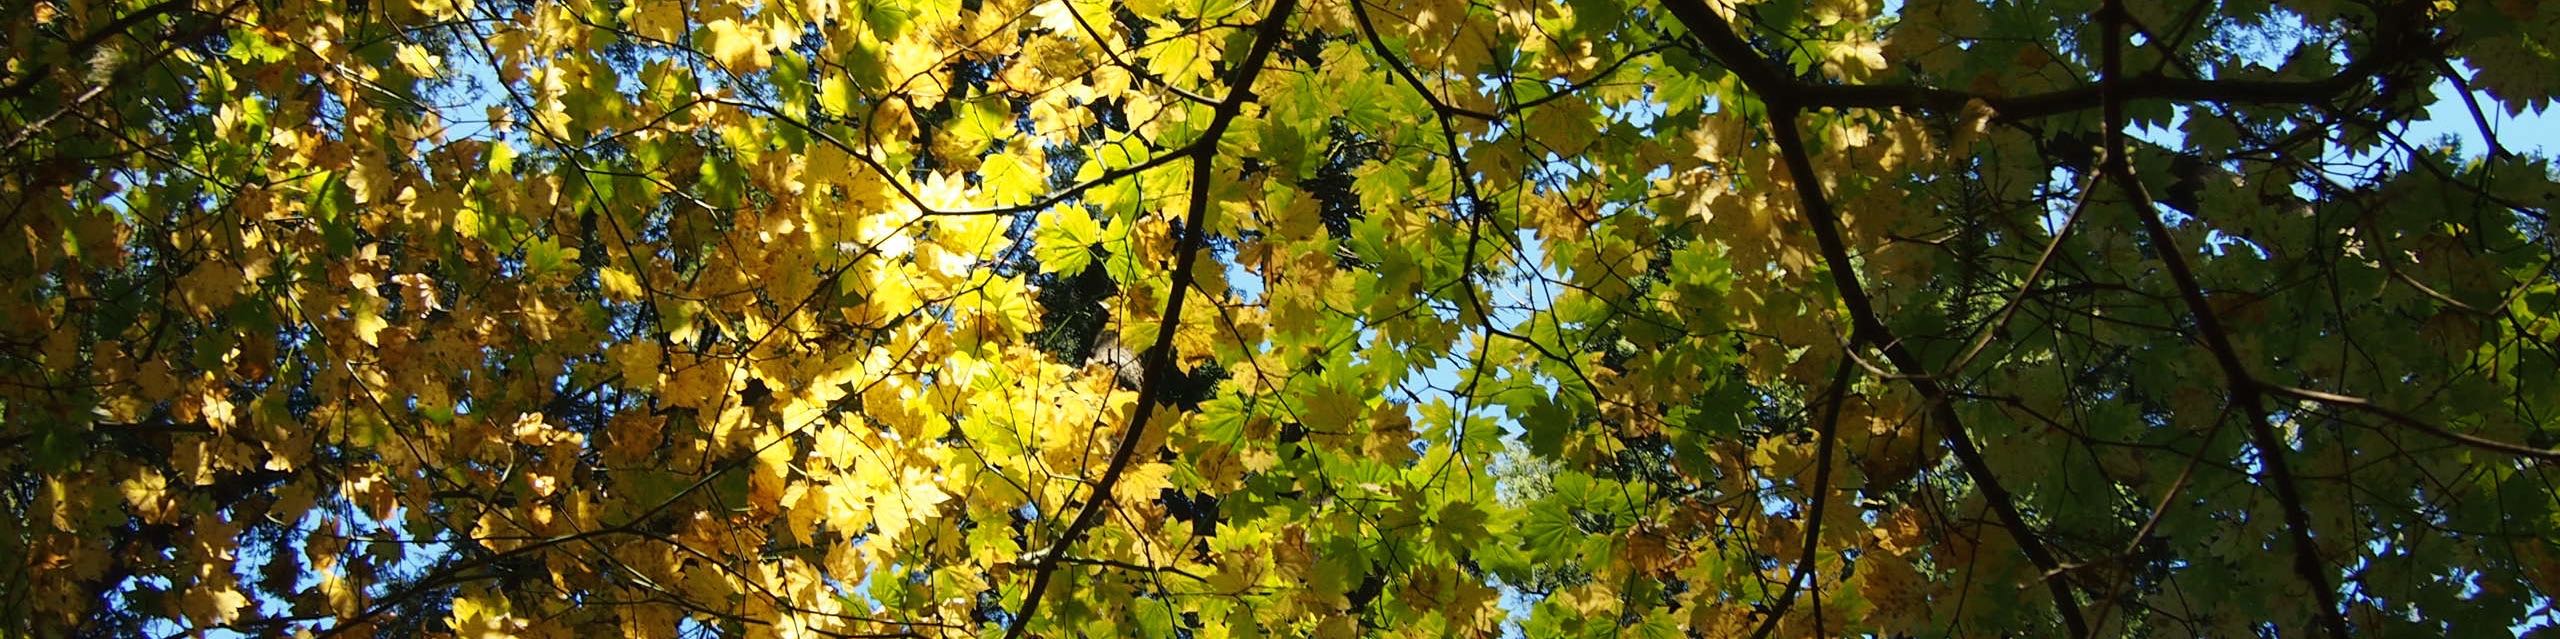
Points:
[[918, 67], [1011, 179], [364, 315], [1180, 60], [846, 510], [738, 45], [835, 94], [481, 617], [772, 471], [417, 61], [619, 284], [911, 503], [1142, 483], [148, 494], [638, 362], [215, 604], [984, 121], [971, 235], [661, 21]]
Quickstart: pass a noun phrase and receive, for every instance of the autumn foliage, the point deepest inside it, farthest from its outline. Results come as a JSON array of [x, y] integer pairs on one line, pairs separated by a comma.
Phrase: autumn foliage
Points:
[[1233, 318]]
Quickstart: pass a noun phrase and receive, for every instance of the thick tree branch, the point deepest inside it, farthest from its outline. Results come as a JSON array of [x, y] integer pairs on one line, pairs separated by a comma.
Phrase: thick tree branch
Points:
[[1870, 330], [1787, 96], [80, 49], [2248, 395], [2245, 392], [1159, 359], [1786, 99]]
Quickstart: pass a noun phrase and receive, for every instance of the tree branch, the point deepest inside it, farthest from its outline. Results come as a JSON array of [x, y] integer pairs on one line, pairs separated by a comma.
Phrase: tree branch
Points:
[[1786, 98], [1826, 437], [2413, 423], [79, 49], [1159, 364], [1724, 42], [2244, 389], [1360, 14], [2247, 393]]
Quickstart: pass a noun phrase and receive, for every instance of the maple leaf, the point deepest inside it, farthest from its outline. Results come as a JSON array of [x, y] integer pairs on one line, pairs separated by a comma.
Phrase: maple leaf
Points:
[[1064, 240], [910, 501], [737, 44], [834, 318]]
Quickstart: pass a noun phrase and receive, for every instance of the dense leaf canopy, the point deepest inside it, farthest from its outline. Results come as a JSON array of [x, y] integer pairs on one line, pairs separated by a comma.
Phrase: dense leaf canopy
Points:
[[1226, 318]]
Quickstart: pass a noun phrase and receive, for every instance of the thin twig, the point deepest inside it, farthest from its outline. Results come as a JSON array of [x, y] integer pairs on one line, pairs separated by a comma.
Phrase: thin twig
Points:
[[1826, 437]]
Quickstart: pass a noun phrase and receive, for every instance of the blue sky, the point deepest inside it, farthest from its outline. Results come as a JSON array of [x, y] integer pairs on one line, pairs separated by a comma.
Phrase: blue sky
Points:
[[2532, 133]]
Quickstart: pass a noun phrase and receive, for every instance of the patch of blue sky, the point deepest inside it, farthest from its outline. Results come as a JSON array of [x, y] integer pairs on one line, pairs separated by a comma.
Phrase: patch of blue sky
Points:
[[1514, 296], [352, 524], [2450, 122]]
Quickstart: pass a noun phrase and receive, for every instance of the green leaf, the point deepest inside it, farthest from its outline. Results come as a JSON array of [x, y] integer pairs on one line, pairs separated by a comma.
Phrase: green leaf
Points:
[[1549, 533], [1064, 239]]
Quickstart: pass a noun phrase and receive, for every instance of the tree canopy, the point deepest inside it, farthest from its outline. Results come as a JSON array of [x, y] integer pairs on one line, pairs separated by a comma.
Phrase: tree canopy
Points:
[[1234, 318]]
